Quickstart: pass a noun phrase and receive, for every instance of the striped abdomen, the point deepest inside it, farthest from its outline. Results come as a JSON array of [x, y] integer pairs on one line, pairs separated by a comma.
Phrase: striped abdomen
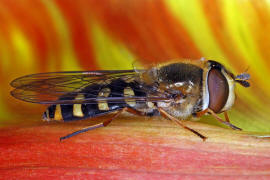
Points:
[[117, 88]]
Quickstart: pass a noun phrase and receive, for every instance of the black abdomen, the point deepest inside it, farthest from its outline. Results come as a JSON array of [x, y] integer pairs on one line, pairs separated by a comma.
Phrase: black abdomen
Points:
[[109, 92]]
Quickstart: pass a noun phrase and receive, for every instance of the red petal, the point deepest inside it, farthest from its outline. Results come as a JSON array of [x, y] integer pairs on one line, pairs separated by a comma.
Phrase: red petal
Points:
[[131, 148]]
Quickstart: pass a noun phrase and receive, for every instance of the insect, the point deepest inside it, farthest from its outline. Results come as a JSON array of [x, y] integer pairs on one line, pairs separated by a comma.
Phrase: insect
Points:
[[176, 91]]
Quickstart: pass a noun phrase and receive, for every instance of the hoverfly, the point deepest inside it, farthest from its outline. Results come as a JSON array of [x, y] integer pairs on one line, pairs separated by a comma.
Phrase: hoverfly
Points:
[[176, 91]]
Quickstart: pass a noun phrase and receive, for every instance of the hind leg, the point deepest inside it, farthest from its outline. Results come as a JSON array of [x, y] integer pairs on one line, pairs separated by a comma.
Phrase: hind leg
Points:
[[103, 124]]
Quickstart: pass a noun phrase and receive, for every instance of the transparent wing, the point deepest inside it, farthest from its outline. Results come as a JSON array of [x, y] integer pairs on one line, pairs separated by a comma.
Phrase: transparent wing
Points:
[[68, 77], [75, 87]]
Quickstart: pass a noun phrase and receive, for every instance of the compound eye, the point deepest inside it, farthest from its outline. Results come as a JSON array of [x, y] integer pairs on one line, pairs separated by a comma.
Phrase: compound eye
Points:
[[218, 90]]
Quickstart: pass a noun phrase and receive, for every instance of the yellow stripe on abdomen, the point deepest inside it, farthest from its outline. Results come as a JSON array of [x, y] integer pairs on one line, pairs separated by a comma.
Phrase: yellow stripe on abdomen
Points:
[[77, 108], [128, 92], [58, 113], [103, 105]]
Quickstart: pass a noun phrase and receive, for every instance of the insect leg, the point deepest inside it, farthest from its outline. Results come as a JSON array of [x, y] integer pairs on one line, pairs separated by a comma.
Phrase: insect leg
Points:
[[135, 112], [201, 113], [103, 124], [166, 115], [222, 121], [226, 116]]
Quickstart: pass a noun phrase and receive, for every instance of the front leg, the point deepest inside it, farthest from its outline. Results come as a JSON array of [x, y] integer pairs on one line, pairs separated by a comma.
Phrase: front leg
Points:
[[227, 122]]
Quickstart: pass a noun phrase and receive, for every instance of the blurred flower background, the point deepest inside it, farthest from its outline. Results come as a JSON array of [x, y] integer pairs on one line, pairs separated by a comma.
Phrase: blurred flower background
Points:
[[57, 35]]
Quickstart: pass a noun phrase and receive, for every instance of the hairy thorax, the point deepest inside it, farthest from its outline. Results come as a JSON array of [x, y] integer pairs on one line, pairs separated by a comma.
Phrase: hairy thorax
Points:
[[182, 83]]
